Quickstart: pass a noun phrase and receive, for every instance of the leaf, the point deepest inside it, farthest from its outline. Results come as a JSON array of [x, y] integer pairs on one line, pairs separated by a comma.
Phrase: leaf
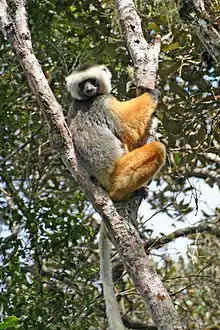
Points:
[[177, 89], [168, 67], [9, 322], [153, 26], [171, 46]]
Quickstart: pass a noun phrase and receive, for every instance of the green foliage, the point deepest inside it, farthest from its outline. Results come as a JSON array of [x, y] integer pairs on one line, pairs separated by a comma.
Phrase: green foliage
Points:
[[49, 266], [9, 322]]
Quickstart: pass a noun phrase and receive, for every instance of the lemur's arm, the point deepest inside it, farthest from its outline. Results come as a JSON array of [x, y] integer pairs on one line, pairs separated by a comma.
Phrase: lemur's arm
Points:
[[135, 117]]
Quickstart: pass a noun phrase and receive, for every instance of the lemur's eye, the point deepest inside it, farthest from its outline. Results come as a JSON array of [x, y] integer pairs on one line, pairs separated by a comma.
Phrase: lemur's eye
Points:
[[82, 85], [104, 69], [94, 82]]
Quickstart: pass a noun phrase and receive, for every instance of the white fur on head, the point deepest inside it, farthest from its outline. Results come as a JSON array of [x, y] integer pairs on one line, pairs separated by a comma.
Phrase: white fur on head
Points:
[[99, 72]]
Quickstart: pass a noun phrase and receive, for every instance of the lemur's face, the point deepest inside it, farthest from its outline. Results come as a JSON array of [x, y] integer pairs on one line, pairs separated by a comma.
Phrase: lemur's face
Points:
[[88, 88], [89, 81]]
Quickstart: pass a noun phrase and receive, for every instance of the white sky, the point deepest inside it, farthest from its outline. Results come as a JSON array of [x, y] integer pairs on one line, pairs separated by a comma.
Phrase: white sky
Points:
[[208, 201]]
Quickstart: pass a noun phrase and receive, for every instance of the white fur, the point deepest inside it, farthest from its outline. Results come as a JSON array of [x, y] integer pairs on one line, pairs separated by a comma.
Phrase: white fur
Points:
[[100, 72], [111, 304]]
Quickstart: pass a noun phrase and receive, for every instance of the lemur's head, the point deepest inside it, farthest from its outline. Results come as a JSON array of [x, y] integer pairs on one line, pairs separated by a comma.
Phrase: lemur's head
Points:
[[87, 81]]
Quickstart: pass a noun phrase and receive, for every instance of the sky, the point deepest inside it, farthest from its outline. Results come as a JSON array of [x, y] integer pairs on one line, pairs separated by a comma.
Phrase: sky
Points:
[[208, 201]]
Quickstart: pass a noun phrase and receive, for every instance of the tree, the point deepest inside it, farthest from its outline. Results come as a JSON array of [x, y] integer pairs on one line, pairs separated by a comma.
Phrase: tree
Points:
[[44, 209]]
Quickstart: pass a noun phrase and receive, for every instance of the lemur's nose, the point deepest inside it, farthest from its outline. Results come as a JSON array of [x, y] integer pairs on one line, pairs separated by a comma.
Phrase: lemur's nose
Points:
[[89, 88]]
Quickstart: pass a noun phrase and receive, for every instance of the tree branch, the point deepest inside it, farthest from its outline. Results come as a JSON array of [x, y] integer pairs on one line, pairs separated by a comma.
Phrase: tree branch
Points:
[[122, 233], [195, 15], [22, 146], [144, 56], [158, 242], [204, 173], [212, 157]]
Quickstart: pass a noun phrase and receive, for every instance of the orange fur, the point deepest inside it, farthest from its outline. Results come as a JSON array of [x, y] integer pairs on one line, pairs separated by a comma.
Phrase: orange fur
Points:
[[135, 118], [138, 165], [134, 169]]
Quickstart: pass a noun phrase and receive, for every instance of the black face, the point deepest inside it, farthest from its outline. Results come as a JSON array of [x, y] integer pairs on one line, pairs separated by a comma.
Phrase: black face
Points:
[[89, 88]]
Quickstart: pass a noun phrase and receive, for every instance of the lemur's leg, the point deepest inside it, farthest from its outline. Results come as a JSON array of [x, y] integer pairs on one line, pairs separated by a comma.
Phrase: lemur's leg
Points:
[[136, 168]]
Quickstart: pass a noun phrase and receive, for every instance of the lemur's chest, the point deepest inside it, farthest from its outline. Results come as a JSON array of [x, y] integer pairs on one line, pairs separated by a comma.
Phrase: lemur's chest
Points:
[[94, 113]]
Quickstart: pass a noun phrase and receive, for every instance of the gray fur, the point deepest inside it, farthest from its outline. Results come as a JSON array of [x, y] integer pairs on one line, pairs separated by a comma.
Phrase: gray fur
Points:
[[95, 138], [94, 128]]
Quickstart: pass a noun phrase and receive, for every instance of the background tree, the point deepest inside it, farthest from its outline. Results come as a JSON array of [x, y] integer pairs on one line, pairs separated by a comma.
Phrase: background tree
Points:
[[49, 255]]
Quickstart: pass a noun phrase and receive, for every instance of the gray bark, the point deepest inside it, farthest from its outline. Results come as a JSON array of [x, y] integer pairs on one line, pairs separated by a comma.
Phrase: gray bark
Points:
[[144, 55]]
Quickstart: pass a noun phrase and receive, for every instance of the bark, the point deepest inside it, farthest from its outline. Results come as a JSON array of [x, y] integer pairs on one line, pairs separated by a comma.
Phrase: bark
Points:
[[158, 242], [214, 158], [144, 55], [200, 17], [206, 174], [122, 233]]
